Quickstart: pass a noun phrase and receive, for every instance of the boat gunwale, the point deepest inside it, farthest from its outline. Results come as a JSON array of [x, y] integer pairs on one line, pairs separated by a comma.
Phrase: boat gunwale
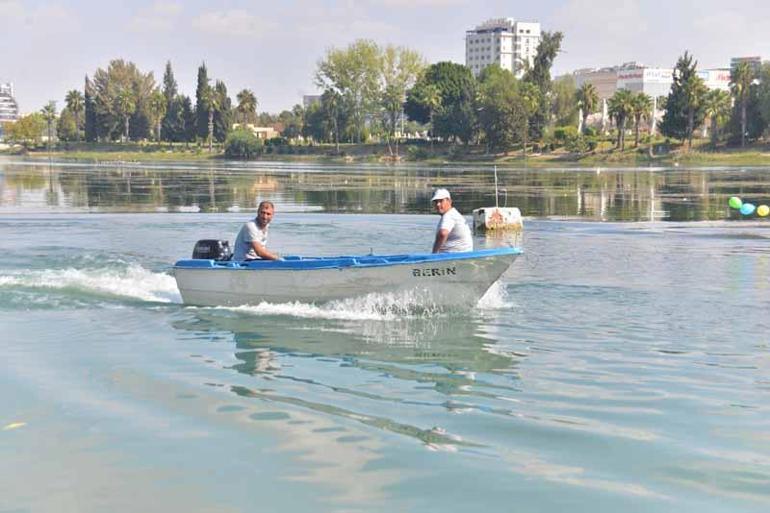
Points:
[[298, 263]]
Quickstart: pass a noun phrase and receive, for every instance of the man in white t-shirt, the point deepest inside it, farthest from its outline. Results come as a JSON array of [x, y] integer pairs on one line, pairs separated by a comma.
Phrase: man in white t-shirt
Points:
[[251, 243], [452, 233]]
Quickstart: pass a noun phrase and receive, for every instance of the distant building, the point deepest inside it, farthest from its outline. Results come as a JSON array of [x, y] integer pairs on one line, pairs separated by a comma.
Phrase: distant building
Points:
[[604, 80], [717, 78], [310, 99], [9, 109], [262, 132], [636, 77], [754, 62], [504, 41], [639, 78]]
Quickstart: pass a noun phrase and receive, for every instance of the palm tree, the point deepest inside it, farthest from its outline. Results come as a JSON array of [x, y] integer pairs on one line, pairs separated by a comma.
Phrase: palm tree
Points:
[[126, 106], [717, 104], [431, 98], [620, 108], [76, 104], [640, 107], [247, 106], [740, 81], [157, 109], [588, 100], [530, 101], [694, 90], [49, 114], [211, 100]]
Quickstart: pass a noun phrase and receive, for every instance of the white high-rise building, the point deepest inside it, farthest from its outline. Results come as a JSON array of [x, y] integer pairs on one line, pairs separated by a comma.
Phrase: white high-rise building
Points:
[[511, 44], [9, 110]]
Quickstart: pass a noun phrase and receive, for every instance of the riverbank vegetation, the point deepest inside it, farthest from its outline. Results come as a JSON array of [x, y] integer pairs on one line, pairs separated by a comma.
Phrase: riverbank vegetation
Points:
[[388, 104]]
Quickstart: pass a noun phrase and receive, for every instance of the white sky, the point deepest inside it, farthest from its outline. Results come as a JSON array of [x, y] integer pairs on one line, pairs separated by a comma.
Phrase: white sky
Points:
[[272, 47]]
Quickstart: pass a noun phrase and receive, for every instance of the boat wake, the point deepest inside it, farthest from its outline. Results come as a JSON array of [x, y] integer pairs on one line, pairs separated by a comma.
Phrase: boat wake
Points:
[[373, 307], [127, 281]]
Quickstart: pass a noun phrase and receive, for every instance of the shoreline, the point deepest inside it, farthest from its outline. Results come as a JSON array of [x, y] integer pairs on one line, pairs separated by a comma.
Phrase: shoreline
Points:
[[365, 154]]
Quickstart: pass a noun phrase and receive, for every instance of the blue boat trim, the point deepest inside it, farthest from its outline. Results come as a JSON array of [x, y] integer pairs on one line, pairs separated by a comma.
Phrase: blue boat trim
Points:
[[300, 263]]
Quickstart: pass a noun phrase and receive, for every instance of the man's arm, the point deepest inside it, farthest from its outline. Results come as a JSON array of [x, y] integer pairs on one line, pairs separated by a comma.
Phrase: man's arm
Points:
[[262, 252], [441, 237]]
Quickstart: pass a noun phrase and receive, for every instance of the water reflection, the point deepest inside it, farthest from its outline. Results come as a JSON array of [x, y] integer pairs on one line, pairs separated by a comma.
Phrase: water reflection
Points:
[[420, 359], [599, 194]]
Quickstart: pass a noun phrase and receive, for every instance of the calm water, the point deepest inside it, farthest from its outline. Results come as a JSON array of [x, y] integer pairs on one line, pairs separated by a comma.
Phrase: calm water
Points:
[[621, 365]]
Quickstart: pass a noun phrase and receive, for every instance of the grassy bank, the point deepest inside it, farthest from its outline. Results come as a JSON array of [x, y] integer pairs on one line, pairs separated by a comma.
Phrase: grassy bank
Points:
[[666, 155]]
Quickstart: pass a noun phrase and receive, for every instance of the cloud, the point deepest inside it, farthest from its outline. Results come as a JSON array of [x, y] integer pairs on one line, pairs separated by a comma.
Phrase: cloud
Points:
[[235, 22], [41, 22], [159, 17], [418, 4]]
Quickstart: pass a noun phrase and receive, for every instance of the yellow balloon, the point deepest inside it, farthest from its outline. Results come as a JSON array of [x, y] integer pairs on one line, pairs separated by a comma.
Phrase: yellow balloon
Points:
[[763, 210]]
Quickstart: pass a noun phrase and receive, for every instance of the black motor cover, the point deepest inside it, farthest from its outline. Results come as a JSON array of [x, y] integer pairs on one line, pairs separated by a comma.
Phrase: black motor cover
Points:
[[210, 249]]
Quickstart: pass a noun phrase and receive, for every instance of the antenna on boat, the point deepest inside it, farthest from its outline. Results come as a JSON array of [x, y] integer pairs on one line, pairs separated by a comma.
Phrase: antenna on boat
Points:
[[496, 203]]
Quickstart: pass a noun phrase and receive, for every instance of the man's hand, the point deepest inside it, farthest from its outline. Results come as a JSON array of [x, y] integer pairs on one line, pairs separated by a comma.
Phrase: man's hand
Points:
[[441, 237]]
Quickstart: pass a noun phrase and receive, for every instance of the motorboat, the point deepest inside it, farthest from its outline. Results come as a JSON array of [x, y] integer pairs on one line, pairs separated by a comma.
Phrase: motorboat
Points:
[[438, 279]]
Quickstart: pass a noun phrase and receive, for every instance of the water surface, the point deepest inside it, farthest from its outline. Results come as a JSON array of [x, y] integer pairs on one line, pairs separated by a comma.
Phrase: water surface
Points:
[[617, 366]]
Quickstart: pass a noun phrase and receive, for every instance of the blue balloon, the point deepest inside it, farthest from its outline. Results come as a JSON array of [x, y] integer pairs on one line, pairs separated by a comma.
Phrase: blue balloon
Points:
[[747, 209]]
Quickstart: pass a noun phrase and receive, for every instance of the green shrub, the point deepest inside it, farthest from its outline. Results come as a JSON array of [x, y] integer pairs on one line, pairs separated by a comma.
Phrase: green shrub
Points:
[[243, 144], [416, 153], [562, 134]]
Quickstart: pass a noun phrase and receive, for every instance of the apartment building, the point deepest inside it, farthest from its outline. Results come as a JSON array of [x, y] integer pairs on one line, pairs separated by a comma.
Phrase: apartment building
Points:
[[9, 109], [504, 41]]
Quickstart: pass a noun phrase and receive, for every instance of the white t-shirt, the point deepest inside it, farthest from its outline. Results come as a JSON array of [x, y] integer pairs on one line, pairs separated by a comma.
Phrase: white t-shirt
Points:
[[249, 232], [460, 238]]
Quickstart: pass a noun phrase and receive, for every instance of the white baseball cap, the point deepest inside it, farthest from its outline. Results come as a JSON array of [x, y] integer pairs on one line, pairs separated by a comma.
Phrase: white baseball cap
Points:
[[441, 194]]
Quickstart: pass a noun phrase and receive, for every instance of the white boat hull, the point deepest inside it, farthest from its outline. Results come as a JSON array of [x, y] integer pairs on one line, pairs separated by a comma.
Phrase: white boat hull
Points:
[[460, 280]]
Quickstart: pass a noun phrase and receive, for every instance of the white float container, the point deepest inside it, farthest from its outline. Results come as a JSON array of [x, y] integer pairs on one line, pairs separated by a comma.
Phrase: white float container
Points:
[[488, 219]]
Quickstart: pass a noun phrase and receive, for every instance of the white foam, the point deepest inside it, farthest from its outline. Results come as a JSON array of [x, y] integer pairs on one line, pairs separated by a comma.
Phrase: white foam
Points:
[[132, 281], [372, 307], [495, 298]]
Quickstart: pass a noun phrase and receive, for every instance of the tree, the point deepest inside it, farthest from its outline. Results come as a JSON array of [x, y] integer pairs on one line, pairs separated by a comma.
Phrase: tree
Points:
[[89, 106], [210, 101], [27, 130], [539, 75], [530, 101], [75, 105], [49, 115], [621, 106], [125, 105], [741, 77], [428, 97], [502, 115], [246, 111], [588, 101], [66, 127], [400, 68], [354, 74], [223, 113], [330, 105], [694, 91], [169, 85], [201, 109], [717, 105], [684, 104], [157, 111], [112, 89], [188, 120], [456, 90], [641, 105], [564, 105]]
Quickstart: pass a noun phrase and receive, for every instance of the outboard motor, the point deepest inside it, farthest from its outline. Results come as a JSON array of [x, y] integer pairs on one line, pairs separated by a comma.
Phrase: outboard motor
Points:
[[210, 249]]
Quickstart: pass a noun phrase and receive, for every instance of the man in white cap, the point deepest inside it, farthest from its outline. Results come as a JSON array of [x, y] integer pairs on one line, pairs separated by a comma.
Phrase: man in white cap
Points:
[[452, 233], [251, 243]]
